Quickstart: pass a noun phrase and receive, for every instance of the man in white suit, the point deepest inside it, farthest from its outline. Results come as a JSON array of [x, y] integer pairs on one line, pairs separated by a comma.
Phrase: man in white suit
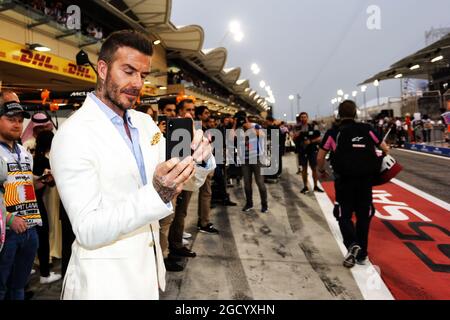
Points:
[[109, 166]]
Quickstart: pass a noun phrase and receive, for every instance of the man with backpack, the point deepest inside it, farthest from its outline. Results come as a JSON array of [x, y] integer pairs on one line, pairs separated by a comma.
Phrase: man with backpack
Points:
[[355, 165]]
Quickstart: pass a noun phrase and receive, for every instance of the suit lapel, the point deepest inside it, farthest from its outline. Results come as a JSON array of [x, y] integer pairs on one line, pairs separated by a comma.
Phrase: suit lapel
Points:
[[105, 129]]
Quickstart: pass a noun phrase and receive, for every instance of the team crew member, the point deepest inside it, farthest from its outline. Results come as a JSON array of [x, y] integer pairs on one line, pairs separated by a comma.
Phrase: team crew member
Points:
[[22, 212], [355, 165], [307, 139], [108, 164]]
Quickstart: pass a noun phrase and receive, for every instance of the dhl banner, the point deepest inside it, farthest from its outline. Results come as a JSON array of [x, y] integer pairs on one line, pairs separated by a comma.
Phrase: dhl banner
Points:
[[18, 54]]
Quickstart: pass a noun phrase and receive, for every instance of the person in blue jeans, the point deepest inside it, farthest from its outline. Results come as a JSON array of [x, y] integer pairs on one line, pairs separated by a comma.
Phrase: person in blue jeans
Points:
[[22, 211], [16, 261]]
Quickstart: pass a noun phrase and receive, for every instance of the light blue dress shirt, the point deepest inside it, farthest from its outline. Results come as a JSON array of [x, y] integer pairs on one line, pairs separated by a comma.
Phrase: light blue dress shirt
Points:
[[132, 144]]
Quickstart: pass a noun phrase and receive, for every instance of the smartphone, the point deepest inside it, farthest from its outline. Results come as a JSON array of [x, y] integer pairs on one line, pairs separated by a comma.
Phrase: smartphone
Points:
[[162, 118], [179, 135], [44, 177]]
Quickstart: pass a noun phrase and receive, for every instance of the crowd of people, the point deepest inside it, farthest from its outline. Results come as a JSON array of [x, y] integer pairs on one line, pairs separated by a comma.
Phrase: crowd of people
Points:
[[191, 80], [57, 11], [120, 197], [401, 130], [26, 184]]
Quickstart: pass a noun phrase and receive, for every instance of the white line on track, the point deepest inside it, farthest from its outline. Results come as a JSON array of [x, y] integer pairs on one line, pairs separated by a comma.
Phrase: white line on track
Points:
[[367, 277], [424, 154], [420, 193]]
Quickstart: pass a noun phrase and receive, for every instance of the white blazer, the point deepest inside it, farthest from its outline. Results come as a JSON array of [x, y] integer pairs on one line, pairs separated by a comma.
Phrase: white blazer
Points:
[[114, 217]]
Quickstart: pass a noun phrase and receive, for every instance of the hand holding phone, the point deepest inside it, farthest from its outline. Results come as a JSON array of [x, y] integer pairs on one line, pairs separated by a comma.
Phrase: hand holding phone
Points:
[[47, 178]]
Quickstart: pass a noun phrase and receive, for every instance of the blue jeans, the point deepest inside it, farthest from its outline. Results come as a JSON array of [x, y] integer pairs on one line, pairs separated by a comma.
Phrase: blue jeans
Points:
[[16, 261]]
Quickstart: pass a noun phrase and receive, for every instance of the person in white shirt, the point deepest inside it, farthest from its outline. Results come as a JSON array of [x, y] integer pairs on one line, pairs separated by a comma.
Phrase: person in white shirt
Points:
[[109, 165]]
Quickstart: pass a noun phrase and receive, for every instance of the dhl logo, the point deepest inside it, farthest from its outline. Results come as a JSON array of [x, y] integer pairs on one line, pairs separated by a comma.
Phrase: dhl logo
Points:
[[78, 71], [37, 59]]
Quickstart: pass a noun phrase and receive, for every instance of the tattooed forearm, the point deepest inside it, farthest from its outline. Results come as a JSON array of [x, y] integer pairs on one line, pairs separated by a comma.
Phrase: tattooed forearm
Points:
[[167, 191]]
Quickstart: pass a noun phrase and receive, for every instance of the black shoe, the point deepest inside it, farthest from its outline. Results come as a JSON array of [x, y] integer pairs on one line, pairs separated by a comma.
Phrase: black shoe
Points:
[[264, 209], [317, 189], [175, 258], [172, 266], [229, 203], [209, 229], [247, 208], [350, 258], [183, 252], [362, 261], [305, 190]]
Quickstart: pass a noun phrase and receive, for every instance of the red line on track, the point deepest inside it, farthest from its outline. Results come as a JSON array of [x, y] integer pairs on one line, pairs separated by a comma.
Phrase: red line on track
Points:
[[410, 241]]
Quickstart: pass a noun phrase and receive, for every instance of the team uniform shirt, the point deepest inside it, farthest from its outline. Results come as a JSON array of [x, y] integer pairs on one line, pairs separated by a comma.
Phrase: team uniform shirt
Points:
[[306, 132], [20, 198], [329, 140]]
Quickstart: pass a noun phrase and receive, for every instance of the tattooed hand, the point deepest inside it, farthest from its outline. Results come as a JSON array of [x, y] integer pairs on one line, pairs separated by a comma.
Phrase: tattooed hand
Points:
[[170, 177]]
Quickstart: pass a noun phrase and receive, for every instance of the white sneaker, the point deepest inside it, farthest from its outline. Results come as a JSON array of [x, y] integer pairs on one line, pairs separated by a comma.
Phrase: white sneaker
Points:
[[185, 242], [51, 278], [187, 235]]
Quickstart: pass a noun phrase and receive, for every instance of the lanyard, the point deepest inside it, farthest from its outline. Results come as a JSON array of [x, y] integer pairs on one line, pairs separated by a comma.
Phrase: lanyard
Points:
[[13, 153]]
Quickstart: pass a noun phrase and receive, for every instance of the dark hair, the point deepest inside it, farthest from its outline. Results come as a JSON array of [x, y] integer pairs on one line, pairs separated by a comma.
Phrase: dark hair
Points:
[[181, 104], [44, 142], [240, 114], [124, 38], [162, 103], [270, 118], [199, 110], [303, 113], [347, 109], [143, 108]]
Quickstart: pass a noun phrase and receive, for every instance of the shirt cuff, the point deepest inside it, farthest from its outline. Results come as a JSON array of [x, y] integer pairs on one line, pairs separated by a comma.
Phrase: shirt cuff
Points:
[[169, 206]]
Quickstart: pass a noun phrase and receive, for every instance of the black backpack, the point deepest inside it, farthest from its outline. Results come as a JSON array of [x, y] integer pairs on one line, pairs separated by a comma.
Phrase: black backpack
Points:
[[355, 154]]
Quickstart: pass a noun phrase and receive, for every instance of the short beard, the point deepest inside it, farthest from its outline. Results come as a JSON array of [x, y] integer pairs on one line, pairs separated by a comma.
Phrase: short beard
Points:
[[111, 93], [10, 137]]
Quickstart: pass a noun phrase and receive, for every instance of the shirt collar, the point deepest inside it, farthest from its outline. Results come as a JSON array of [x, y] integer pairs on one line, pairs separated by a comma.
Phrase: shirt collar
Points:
[[112, 116], [14, 148]]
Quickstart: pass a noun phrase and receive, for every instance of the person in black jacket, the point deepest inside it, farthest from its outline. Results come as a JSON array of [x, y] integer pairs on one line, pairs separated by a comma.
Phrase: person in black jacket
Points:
[[42, 169], [355, 165], [307, 139]]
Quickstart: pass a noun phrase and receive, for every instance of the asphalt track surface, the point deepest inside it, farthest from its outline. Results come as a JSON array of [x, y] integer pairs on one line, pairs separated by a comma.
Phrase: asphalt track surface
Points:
[[426, 173]]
